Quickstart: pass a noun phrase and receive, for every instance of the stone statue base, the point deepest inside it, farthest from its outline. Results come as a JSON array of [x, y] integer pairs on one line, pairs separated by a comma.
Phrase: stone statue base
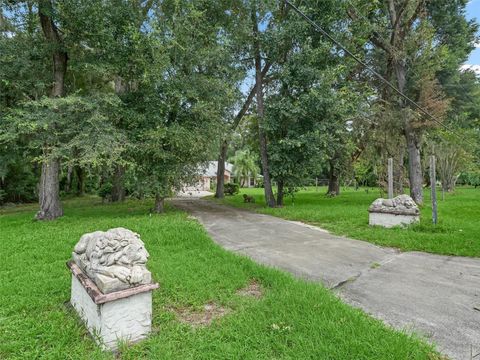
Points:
[[121, 316], [391, 220]]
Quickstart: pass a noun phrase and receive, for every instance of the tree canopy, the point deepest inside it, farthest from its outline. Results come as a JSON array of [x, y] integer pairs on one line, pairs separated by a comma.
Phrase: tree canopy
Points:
[[137, 96]]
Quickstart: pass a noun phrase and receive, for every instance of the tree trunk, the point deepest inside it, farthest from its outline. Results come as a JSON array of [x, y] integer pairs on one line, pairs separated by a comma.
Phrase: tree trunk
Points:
[[49, 189], [80, 181], [49, 194], [121, 86], [68, 183], [219, 193], [444, 189], [280, 193], [269, 197], [414, 166], [238, 118], [118, 187], [333, 182], [412, 138], [159, 204], [60, 58], [398, 171]]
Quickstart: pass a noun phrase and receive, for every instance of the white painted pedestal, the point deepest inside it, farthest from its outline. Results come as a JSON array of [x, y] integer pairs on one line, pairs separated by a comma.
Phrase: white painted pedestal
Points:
[[122, 316], [389, 220]]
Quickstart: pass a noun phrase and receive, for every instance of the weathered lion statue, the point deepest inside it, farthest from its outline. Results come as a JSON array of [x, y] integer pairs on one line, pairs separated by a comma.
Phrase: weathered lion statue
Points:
[[402, 204], [114, 259]]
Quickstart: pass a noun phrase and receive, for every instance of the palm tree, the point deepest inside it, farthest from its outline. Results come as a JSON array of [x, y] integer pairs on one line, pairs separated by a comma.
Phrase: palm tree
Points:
[[244, 165]]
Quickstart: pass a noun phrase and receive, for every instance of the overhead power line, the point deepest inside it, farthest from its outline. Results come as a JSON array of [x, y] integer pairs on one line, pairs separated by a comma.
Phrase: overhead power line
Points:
[[371, 70]]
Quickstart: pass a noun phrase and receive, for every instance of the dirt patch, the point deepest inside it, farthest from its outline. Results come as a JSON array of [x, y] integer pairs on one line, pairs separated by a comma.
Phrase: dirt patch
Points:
[[204, 317], [253, 289]]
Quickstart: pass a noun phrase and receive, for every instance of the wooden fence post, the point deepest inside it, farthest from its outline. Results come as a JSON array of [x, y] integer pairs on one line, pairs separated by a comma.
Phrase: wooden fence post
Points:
[[390, 178], [433, 185]]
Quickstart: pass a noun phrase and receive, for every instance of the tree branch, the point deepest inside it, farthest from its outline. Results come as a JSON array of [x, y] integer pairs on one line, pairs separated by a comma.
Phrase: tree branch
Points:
[[249, 99], [375, 37], [146, 8], [415, 15]]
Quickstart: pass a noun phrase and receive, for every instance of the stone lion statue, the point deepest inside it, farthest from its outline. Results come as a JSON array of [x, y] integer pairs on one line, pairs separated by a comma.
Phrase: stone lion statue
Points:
[[402, 204], [114, 259]]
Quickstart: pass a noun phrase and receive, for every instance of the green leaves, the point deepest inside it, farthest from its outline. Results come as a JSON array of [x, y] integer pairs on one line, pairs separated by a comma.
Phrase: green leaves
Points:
[[77, 129], [245, 164]]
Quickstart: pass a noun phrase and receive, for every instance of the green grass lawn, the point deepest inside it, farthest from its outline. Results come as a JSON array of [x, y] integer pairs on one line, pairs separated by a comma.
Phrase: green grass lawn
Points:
[[293, 320], [458, 231]]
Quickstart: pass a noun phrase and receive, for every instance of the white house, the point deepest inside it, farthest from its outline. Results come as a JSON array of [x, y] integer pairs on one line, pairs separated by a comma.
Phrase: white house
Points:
[[209, 175]]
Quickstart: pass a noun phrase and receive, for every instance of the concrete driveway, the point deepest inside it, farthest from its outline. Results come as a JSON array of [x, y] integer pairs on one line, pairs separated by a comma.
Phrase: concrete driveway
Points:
[[437, 297]]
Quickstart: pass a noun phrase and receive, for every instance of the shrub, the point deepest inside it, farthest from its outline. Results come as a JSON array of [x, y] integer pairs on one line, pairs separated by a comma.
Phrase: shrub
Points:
[[259, 183], [469, 178], [231, 189], [105, 191], [474, 178], [20, 181]]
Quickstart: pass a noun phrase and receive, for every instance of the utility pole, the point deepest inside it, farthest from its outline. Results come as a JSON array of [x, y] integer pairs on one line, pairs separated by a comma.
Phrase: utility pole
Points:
[[390, 178], [433, 185]]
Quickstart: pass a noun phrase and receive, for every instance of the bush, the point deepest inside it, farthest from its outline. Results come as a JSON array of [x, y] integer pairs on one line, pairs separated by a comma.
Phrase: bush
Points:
[[213, 185], [20, 181], [105, 191], [259, 183], [231, 189], [474, 179], [469, 178]]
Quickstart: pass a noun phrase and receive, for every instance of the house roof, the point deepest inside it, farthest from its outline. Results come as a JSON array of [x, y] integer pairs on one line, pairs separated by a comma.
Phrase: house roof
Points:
[[211, 169]]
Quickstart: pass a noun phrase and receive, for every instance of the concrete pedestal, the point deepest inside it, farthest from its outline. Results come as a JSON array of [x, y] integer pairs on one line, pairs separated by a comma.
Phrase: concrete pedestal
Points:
[[390, 220], [122, 316]]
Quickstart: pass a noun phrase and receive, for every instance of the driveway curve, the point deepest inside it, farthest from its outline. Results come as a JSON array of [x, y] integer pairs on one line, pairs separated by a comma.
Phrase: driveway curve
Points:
[[438, 297]]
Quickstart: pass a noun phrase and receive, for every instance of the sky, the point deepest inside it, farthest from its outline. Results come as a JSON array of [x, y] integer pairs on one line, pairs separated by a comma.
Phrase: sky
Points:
[[473, 12]]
